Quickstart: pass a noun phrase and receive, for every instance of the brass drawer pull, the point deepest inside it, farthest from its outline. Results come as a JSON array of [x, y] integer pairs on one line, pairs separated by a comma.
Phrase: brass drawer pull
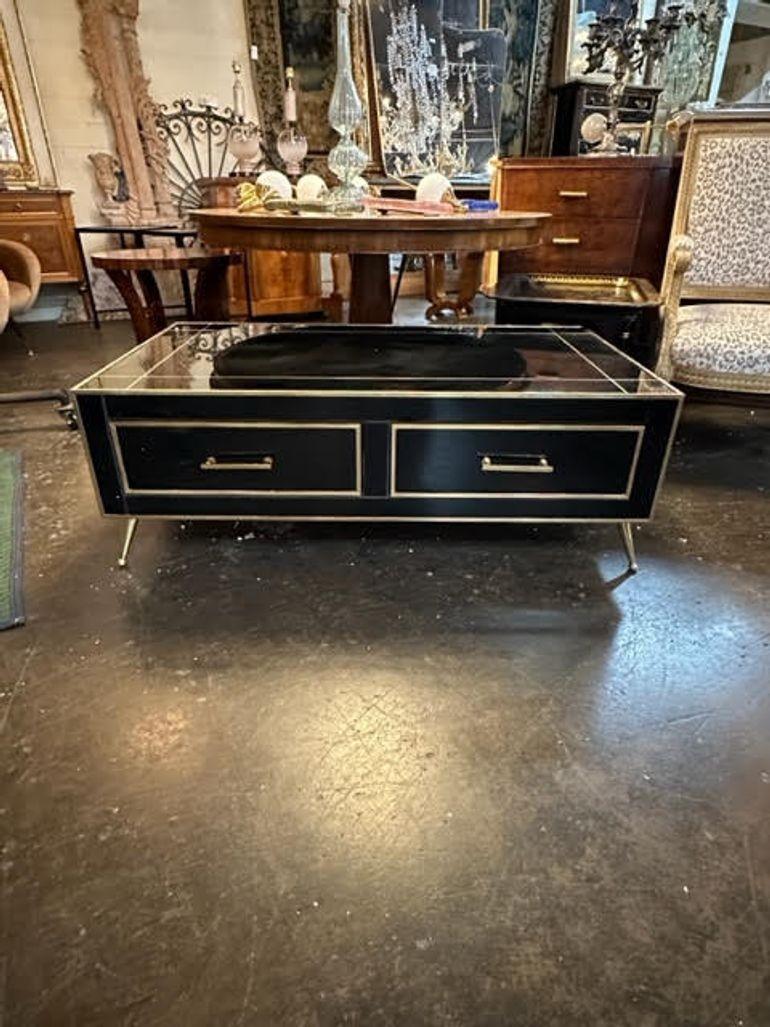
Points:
[[573, 194], [539, 466], [265, 463], [566, 240]]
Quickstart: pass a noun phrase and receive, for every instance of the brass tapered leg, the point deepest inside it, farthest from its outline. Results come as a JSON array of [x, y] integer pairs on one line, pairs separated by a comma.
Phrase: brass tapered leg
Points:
[[627, 537], [130, 532]]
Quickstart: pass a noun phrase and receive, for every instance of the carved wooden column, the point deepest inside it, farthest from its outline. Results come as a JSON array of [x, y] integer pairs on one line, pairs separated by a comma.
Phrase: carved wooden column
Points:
[[111, 51]]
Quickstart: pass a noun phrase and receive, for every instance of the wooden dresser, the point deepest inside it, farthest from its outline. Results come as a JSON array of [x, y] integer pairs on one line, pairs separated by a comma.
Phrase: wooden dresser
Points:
[[610, 215], [42, 219]]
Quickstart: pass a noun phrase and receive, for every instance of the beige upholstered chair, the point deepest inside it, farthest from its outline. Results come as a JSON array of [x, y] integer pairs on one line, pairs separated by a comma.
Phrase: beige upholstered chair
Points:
[[19, 288], [720, 253], [21, 269]]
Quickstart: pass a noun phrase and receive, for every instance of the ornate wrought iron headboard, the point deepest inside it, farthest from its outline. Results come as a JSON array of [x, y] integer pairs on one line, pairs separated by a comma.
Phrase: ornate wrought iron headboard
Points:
[[196, 140]]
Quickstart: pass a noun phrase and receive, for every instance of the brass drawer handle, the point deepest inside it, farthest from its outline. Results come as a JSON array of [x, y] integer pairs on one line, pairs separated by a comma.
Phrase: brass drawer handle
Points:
[[573, 194], [566, 240], [265, 463], [539, 466]]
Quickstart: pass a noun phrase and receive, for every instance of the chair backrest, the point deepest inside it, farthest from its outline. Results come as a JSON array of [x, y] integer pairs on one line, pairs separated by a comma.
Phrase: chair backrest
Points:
[[724, 205]]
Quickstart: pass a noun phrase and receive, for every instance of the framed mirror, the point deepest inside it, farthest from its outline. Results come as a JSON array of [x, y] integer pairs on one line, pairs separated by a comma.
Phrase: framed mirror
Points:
[[17, 164], [301, 34], [573, 25], [438, 68]]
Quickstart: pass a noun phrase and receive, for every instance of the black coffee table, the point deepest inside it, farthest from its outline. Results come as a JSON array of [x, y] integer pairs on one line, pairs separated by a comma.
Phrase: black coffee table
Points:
[[316, 422]]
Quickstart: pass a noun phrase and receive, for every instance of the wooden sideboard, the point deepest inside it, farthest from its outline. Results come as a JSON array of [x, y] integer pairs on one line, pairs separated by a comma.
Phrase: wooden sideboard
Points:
[[609, 215], [42, 219]]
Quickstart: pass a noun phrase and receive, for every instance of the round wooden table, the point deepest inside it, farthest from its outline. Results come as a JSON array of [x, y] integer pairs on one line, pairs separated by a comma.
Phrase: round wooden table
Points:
[[369, 240], [145, 304]]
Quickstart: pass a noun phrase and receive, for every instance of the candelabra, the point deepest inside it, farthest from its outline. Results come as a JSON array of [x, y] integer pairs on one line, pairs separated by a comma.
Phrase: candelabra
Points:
[[633, 45]]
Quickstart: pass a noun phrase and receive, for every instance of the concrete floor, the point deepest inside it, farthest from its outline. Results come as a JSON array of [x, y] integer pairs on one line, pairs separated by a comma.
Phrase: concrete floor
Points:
[[378, 776]]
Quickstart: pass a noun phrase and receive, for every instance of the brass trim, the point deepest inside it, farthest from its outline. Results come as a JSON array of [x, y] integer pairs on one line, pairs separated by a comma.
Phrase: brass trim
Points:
[[168, 356], [361, 518], [618, 281], [667, 455], [438, 426], [81, 385], [670, 393], [281, 493], [591, 362]]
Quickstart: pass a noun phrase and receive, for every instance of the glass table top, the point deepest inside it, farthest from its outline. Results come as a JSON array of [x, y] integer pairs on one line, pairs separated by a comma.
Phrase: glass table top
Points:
[[200, 358]]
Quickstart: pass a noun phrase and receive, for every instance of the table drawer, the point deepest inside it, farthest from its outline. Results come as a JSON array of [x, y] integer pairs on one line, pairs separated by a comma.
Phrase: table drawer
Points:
[[238, 458], [546, 461], [579, 246]]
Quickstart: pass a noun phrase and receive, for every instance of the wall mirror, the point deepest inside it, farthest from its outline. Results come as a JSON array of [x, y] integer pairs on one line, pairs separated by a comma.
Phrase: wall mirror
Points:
[[301, 34], [438, 68], [17, 164]]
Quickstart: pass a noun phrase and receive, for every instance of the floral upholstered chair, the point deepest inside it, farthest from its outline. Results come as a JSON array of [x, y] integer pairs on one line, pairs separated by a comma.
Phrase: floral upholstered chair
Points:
[[719, 256]]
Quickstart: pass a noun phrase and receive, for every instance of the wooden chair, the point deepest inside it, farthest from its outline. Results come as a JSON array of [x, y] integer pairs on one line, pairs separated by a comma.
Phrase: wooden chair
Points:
[[719, 256]]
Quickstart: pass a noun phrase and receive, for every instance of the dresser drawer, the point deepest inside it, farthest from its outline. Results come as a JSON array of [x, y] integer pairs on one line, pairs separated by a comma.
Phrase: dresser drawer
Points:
[[42, 236], [548, 461], [27, 202], [238, 458], [579, 246], [576, 192]]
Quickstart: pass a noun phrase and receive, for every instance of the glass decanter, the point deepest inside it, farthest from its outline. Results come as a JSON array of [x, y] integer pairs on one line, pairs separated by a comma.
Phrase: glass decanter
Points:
[[346, 160]]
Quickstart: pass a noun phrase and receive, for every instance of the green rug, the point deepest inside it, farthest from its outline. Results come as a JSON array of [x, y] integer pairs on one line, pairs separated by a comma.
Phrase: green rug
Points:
[[11, 557]]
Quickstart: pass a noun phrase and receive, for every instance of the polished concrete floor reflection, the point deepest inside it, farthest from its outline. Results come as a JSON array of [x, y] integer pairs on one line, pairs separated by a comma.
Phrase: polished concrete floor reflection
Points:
[[322, 776]]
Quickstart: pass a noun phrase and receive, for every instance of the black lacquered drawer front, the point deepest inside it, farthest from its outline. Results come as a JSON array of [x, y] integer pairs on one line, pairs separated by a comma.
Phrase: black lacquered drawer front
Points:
[[545, 461], [200, 457]]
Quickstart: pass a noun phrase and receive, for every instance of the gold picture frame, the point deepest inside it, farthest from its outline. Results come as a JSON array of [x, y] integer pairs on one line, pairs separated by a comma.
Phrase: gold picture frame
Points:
[[641, 130], [17, 163]]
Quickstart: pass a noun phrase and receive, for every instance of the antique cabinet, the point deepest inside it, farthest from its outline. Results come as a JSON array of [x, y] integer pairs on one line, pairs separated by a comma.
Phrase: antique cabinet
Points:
[[42, 219], [610, 215], [576, 100]]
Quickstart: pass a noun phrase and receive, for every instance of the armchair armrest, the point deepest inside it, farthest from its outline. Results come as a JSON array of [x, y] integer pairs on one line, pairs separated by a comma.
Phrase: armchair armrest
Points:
[[20, 264], [677, 262], [5, 302]]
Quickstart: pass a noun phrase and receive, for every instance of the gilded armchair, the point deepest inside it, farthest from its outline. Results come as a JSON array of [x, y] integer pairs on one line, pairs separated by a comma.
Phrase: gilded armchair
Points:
[[719, 256]]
